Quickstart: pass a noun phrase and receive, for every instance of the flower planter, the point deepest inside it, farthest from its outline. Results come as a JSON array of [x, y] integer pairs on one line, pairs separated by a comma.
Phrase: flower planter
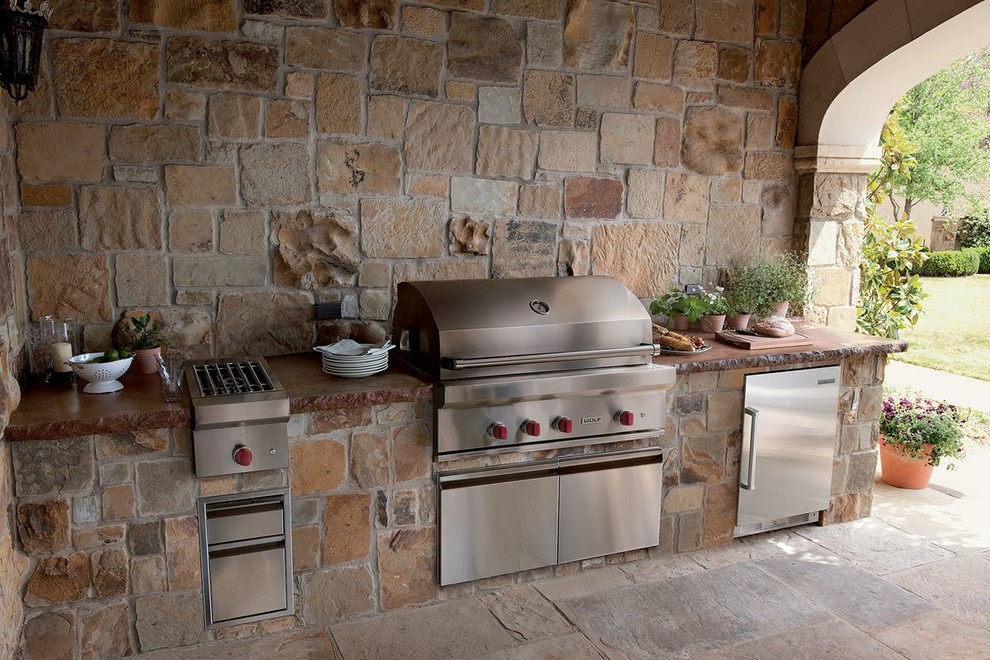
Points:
[[737, 321], [780, 309], [901, 470], [144, 361], [678, 322], [712, 322]]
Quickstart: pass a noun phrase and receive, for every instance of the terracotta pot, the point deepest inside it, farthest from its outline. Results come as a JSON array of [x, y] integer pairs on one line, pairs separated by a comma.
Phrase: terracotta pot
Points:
[[737, 321], [901, 470], [781, 309], [678, 322], [144, 361], [712, 322]]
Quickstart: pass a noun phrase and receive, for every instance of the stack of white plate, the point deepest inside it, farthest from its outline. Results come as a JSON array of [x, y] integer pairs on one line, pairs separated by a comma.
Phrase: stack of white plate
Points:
[[349, 359]]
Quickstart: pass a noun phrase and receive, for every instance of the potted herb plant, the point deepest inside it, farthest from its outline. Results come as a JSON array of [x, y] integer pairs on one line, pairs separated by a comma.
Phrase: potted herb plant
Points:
[[741, 297], [780, 281], [716, 307], [680, 308], [142, 336], [915, 435]]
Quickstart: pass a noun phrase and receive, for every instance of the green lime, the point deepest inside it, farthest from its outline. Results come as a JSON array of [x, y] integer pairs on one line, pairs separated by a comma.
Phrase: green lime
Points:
[[124, 353], [111, 355]]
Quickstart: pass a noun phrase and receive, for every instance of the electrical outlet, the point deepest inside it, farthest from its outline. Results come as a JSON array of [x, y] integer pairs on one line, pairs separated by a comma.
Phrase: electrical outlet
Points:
[[692, 288], [328, 310]]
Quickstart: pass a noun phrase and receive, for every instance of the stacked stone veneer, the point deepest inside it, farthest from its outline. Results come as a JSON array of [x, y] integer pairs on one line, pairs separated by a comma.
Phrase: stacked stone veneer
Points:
[[226, 163]]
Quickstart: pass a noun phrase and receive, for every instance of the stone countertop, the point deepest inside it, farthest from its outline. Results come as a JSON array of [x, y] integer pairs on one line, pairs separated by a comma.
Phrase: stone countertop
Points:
[[62, 411]]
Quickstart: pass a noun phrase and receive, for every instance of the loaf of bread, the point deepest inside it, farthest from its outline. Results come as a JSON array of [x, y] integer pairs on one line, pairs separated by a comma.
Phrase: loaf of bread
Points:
[[775, 327]]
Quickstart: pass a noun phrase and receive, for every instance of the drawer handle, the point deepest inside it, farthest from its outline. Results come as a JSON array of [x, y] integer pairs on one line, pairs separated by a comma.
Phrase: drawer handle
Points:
[[750, 483]]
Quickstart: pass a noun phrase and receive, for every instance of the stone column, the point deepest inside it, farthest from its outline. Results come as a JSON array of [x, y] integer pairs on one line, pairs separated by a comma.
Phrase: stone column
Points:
[[831, 211]]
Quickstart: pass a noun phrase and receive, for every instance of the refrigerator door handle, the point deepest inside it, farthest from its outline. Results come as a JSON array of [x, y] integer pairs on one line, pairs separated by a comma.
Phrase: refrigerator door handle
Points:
[[750, 483]]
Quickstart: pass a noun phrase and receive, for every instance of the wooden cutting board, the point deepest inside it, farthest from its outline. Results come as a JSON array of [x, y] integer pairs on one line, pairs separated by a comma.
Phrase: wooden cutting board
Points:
[[755, 343]]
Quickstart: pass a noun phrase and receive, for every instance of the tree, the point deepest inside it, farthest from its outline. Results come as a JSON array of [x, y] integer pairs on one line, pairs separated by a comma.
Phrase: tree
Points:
[[947, 119]]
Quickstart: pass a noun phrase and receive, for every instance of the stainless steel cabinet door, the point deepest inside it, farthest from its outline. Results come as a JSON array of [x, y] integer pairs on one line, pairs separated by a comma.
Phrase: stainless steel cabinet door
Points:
[[609, 506], [791, 420], [247, 582], [497, 522]]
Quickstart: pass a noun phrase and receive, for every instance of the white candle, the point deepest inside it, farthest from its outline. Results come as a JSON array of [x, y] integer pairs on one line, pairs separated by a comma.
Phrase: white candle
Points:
[[61, 352]]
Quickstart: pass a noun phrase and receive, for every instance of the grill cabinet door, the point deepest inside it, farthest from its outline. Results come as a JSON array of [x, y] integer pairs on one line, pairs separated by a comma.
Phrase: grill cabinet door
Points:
[[496, 522], [247, 582]]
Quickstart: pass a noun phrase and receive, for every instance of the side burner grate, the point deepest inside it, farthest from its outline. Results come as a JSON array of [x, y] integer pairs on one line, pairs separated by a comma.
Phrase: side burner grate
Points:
[[233, 377]]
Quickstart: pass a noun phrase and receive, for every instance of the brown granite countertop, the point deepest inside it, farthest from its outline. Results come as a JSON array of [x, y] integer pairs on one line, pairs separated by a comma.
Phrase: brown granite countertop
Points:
[[62, 411]]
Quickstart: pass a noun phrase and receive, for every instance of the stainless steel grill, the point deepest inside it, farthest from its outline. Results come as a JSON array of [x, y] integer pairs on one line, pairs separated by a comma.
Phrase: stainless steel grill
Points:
[[222, 378]]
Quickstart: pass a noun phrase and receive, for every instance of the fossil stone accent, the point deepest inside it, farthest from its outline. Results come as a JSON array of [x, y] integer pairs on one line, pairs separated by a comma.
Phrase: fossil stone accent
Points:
[[69, 286], [439, 137], [357, 168], [686, 197], [482, 196], [334, 594], [627, 139], [483, 48], [119, 218], [468, 236], [379, 14], [206, 16], [544, 44], [548, 98], [574, 258], [264, 322], [347, 528], [57, 151], [524, 248], [168, 620], [58, 580], [104, 78], [315, 250], [406, 561], [592, 197], [506, 152], [106, 632], [199, 185], [221, 64], [713, 141], [136, 143], [404, 64], [568, 151], [321, 48], [597, 34], [109, 572], [643, 256], [43, 527], [397, 228], [274, 174]]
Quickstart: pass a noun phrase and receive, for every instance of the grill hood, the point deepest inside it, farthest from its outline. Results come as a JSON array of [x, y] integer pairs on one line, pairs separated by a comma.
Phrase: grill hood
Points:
[[472, 328]]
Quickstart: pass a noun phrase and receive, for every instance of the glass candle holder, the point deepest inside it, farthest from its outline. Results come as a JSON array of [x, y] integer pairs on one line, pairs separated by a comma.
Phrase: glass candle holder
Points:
[[61, 337]]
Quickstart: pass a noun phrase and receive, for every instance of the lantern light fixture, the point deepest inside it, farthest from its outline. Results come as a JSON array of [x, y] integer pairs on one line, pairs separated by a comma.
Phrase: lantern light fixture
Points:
[[21, 31]]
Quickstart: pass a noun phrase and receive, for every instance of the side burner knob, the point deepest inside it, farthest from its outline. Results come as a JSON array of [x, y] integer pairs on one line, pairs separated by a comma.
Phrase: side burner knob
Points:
[[563, 424], [531, 427], [626, 418], [243, 455], [498, 431]]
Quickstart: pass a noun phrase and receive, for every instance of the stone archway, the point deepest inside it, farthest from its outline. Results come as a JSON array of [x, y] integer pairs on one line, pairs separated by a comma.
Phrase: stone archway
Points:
[[846, 91]]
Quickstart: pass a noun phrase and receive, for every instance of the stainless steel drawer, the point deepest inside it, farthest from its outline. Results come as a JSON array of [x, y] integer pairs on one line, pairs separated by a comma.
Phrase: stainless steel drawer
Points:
[[245, 519], [247, 582]]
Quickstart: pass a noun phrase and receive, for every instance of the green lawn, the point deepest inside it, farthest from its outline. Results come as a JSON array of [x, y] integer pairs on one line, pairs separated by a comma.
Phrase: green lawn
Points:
[[953, 334]]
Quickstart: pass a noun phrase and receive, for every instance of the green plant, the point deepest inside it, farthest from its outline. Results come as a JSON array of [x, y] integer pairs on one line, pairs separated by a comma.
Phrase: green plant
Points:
[[976, 230], [142, 333], [923, 428], [742, 290], [951, 263], [679, 303], [715, 302], [984, 253], [775, 279]]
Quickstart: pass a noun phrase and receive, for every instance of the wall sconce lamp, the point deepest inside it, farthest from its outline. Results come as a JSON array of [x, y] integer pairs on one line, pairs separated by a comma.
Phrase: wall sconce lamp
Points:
[[21, 29]]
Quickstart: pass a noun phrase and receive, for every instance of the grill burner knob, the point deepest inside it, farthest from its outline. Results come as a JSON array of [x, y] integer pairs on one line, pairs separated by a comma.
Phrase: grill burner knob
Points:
[[498, 431], [626, 418], [563, 424], [531, 427], [243, 455]]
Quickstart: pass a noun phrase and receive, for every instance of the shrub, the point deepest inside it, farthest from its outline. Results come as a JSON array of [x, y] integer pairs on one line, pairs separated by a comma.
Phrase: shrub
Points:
[[951, 263], [976, 230], [984, 259]]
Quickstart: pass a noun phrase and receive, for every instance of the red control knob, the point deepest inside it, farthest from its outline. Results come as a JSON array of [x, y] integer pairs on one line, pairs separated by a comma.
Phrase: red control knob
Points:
[[531, 427], [243, 456], [563, 424], [626, 418], [498, 431]]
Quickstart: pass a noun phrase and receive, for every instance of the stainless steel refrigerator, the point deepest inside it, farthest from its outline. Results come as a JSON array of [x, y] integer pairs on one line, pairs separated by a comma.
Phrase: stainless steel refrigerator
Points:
[[790, 429]]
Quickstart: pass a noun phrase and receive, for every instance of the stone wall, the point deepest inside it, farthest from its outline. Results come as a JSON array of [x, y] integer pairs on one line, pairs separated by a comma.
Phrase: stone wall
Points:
[[227, 163]]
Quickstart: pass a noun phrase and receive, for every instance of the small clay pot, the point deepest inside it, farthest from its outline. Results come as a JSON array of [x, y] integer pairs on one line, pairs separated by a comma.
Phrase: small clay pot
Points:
[[737, 321], [712, 322], [901, 470], [679, 322], [144, 361], [781, 309]]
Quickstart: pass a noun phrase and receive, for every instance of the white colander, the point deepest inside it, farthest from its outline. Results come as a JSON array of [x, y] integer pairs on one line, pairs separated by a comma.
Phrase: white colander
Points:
[[102, 376]]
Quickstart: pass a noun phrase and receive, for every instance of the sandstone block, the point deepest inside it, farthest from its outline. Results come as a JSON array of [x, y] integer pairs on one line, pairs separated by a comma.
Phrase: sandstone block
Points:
[[627, 139], [118, 502], [57, 581], [539, 201], [695, 64], [602, 91], [725, 20], [341, 418], [759, 131], [375, 273], [300, 85], [398, 228], [38, 231], [43, 527], [199, 185], [109, 572], [483, 48], [597, 34], [733, 234], [768, 165], [735, 64], [369, 459], [506, 152], [144, 538], [461, 269], [721, 502], [787, 119], [166, 486], [385, 116], [338, 104], [483, 196], [169, 620], [318, 466], [592, 197], [334, 594], [424, 21], [568, 151], [148, 574], [411, 452], [207, 16], [357, 168], [51, 635], [104, 78], [235, 115], [347, 528], [524, 248], [547, 11], [315, 249], [727, 190], [703, 458], [643, 256], [713, 141], [457, 90], [45, 195], [55, 151], [404, 64], [645, 196], [89, 277], [378, 14], [119, 218], [406, 563], [439, 137], [499, 105], [677, 18], [305, 547], [190, 230], [686, 197], [830, 286], [544, 44], [183, 105], [745, 98], [52, 466], [86, 16], [106, 632], [218, 271], [325, 49], [684, 498], [182, 553], [655, 96], [136, 143], [778, 63], [214, 64], [654, 53], [140, 280], [264, 323], [242, 232], [667, 142], [548, 98], [275, 174], [375, 304]]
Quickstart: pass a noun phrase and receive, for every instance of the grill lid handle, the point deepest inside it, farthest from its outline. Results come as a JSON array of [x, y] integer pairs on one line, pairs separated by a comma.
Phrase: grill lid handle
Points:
[[458, 364]]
